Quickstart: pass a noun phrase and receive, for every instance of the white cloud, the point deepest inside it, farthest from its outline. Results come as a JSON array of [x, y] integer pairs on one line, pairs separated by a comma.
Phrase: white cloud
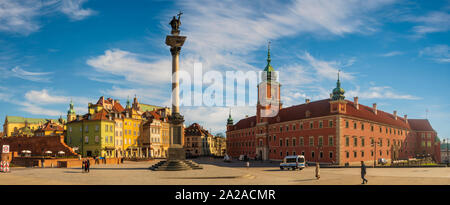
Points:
[[224, 33], [380, 92], [73, 9], [328, 69], [438, 53], [19, 17], [26, 75], [133, 67], [215, 118], [432, 22], [392, 53], [37, 110], [147, 96], [23, 17]]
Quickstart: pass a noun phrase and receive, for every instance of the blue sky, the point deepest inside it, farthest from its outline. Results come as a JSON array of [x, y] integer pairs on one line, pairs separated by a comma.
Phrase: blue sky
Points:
[[391, 52]]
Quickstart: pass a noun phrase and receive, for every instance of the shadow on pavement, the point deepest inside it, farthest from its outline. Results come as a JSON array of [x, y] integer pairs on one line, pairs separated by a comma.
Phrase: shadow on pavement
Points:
[[224, 177], [235, 163]]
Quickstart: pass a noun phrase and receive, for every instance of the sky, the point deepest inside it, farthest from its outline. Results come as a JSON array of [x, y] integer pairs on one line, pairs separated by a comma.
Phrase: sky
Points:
[[391, 52]]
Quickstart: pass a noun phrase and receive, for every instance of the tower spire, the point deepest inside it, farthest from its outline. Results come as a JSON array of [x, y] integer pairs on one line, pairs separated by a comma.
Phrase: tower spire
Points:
[[338, 92], [230, 120], [268, 53]]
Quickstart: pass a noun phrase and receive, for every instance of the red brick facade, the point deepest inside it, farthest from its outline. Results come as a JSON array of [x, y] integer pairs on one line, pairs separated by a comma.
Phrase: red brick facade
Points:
[[334, 131], [38, 145]]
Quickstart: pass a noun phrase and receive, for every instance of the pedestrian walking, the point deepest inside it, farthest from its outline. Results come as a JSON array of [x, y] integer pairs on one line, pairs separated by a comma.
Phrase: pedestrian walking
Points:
[[83, 165], [363, 173], [88, 164], [317, 171]]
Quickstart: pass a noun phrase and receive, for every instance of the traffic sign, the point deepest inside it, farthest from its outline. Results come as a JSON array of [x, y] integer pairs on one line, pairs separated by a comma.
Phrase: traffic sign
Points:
[[5, 149]]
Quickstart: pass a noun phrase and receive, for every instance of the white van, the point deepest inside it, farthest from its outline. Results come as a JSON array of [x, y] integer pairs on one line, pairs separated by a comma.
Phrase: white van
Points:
[[293, 162]]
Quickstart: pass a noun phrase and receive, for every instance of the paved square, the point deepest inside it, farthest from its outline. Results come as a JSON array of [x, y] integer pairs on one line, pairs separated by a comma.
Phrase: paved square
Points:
[[216, 172]]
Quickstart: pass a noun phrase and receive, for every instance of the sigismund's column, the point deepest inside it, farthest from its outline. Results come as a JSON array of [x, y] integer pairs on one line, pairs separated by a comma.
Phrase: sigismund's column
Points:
[[175, 41]]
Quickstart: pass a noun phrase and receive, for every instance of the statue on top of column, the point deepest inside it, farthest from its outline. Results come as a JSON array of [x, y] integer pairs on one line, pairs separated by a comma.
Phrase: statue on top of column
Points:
[[176, 23]]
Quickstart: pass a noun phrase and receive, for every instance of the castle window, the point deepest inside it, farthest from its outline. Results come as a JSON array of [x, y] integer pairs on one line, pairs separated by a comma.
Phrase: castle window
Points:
[[331, 155], [330, 140], [362, 153], [293, 142], [355, 141], [311, 141], [321, 155], [281, 142], [347, 141], [287, 142], [362, 141], [330, 123], [302, 143], [311, 125], [362, 126], [320, 124], [371, 128], [347, 154], [287, 128], [346, 124], [312, 154], [354, 125], [320, 140], [355, 154]]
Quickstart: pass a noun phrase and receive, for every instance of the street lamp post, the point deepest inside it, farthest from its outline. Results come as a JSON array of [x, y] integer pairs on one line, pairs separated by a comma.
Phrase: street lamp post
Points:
[[446, 157]]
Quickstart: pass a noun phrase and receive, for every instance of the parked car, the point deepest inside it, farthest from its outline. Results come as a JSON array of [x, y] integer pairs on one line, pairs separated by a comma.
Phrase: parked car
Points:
[[227, 158], [293, 162], [382, 161]]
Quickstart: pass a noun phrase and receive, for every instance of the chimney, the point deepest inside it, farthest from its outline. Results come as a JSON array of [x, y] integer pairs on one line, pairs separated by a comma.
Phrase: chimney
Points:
[[375, 108], [406, 118], [307, 100], [395, 114], [355, 99]]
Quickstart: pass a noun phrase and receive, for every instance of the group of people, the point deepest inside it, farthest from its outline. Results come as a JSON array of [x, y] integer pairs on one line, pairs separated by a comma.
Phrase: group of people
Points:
[[86, 164], [363, 172]]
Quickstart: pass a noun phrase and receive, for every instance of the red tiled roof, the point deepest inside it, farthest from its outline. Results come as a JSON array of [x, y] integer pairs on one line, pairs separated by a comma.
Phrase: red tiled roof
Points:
[[195, 129], [365, 112], [420, 125], [49, 126], [100, 115], [322, 108], [317, 109], [246, 123], [118, 107]]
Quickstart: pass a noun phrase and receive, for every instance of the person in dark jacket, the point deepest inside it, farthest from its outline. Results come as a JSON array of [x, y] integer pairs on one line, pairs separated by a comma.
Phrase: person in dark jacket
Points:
[[88, 164], [363, 173]]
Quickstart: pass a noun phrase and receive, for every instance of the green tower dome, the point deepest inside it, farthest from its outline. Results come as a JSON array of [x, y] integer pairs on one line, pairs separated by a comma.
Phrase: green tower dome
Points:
[[230, 120], [71, 110], [269, 73], [338, 92]]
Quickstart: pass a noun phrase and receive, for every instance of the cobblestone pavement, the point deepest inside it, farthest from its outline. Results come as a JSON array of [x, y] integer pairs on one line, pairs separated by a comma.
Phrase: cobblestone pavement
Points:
[[216, 172]]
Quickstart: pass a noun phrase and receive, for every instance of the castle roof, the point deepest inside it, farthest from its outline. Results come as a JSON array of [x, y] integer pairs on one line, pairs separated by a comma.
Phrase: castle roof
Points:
[[321, 108], [420, 125]]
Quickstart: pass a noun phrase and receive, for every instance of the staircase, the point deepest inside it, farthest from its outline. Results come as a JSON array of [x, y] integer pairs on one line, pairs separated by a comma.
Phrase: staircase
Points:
[[175, 165]]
